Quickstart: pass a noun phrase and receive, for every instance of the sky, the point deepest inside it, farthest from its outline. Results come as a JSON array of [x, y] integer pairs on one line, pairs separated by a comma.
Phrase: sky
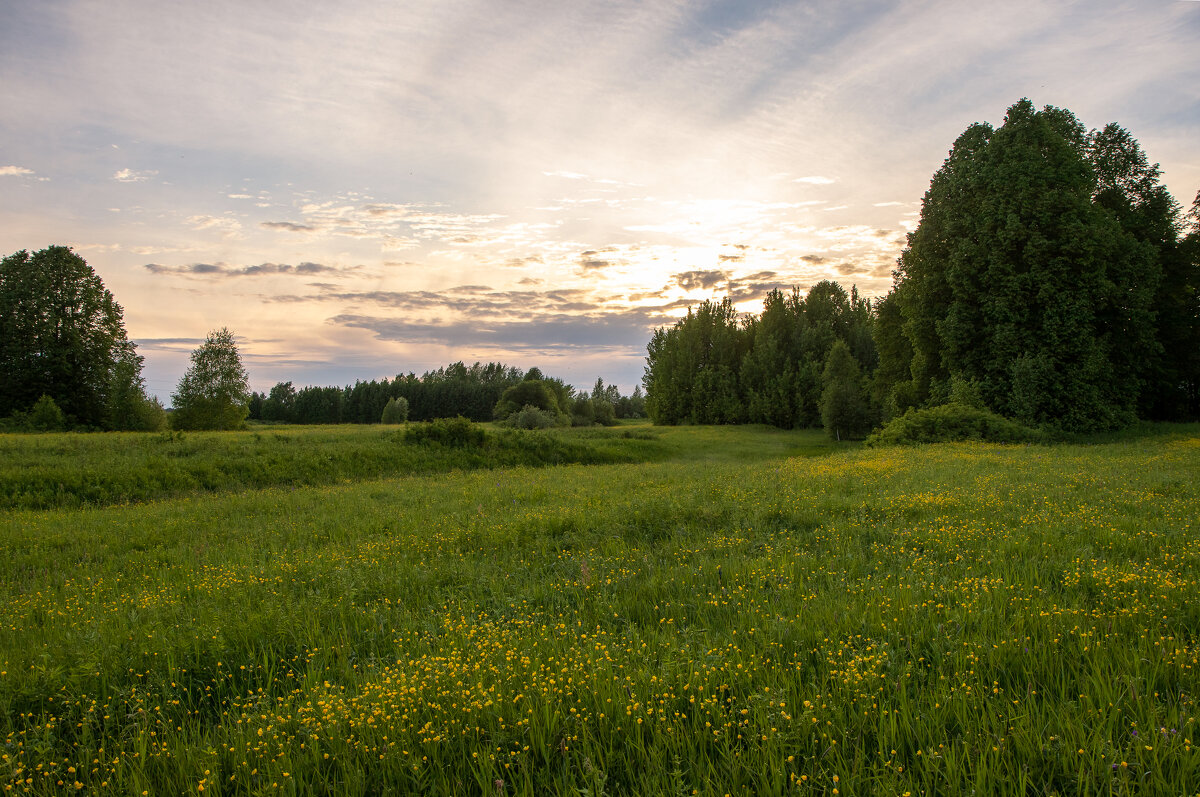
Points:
[[362, 189]]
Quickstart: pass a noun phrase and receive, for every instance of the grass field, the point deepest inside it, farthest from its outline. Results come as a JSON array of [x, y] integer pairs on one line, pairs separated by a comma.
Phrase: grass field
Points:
[[728, 611]]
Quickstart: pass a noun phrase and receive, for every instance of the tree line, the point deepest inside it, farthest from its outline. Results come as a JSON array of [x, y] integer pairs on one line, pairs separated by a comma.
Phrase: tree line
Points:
[[713, 366], [1052, 280], [478, 392], [66, 363]]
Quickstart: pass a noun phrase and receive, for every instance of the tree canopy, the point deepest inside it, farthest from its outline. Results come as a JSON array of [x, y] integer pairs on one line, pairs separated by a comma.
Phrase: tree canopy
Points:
[[62, 335], [214, 392], [712, 367], [1036, 273]]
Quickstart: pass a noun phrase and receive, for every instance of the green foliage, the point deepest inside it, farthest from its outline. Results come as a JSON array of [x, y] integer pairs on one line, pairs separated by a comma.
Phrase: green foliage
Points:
[[953, 422], [213, 394], [62, 335], [477, 392], [892, 389], [279, 405], [527, 393], [709, 369], [1035, 274], [631, 406], [45, 416], [531, 417], [845, 411], [604, 412], [966, 393], [129, 408], [452, 432], [395, 411], [692, 368], [583, 411]]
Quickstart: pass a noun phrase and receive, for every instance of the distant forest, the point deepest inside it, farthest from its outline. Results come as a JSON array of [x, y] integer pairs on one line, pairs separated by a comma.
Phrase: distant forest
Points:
[[477, 392]]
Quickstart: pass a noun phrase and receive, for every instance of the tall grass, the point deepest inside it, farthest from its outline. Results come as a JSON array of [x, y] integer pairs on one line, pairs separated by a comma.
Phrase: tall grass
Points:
[[70, 470], [938, 620]]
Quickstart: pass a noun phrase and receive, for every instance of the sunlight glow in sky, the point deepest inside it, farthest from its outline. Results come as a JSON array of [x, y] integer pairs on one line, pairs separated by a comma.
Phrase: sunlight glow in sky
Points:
[[363, 189]]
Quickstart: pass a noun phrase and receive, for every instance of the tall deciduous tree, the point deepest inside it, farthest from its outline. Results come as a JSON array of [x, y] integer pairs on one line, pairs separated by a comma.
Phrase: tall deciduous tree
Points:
[[62, 335], [1024, 280], [692, 368], [214, 393]]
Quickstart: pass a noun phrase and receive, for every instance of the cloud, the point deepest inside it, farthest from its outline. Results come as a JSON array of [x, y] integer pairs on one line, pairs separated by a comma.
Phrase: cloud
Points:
[[229, 227], [626, 331], [700, 280], [286, 225], [397, 227], [14, 171], [131, 176], [814, 259], [467, 301], [815, 180], [522, 262], [889, 204], [755, 286], [260, 270], [167, 344], [590, 260]]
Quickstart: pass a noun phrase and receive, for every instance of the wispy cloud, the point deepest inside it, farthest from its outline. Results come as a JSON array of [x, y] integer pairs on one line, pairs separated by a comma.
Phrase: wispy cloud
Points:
[[700, 280], [260, 270], [131, 176], [14, 171], [622, 332]]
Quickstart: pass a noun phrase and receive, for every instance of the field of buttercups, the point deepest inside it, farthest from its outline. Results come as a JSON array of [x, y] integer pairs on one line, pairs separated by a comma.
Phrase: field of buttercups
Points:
[[931, 620]]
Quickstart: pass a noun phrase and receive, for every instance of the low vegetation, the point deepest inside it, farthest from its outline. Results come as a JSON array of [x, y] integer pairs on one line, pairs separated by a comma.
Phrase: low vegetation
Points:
[[758, 612], [951, 422], [70, 470]]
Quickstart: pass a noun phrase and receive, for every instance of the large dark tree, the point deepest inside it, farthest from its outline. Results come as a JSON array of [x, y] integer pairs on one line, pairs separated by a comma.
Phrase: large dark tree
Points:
[[62, 335], [1024, 278]]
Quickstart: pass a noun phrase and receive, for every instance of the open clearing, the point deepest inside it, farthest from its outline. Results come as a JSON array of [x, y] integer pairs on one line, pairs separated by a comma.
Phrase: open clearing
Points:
[[730, 610]]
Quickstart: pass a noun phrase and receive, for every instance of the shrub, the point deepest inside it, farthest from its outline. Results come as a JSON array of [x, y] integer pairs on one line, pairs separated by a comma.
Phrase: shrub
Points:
[[953, 421], [452, 432], [396, 410], [531, 417], [45, 416], [605, 412], [531, 392], [145, 415], [583, 413]]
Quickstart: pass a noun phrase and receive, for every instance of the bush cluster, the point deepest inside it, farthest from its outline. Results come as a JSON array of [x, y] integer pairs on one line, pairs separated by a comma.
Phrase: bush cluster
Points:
[[953, 421], [451, 432], [531, 417]]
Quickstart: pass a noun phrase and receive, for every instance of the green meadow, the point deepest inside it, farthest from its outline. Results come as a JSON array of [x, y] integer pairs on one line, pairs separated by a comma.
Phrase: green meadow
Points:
[[632, 611]]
